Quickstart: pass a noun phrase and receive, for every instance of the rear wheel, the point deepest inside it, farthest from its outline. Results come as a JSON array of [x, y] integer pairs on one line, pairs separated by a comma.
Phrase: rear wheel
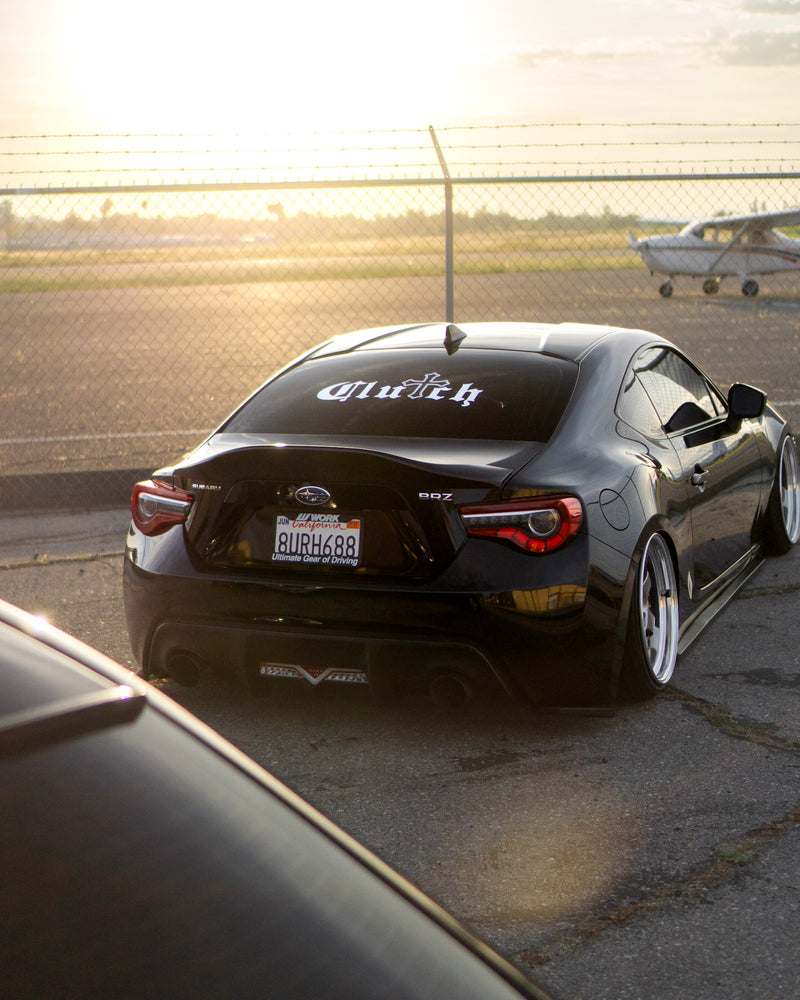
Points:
[[782, 525], [651, 649]]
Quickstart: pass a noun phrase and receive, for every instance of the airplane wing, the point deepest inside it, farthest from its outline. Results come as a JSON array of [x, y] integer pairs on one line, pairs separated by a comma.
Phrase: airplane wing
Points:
[[760, 220]]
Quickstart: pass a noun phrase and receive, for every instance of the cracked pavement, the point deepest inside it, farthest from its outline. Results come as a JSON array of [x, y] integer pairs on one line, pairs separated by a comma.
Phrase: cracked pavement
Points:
[[648, 853]]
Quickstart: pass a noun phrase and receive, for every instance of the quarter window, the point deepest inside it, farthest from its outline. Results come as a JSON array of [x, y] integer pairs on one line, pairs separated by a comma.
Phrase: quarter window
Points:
[[635, 407]]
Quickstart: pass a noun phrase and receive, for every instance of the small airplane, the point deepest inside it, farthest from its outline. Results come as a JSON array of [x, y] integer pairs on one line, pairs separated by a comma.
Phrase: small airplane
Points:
[[712, 249]]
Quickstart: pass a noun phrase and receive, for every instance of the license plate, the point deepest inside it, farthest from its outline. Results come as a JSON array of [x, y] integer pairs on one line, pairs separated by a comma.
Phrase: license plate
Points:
[[317, 540]]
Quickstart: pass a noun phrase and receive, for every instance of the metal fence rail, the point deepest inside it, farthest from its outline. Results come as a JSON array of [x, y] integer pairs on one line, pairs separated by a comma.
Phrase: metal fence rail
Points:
[[134, 316]]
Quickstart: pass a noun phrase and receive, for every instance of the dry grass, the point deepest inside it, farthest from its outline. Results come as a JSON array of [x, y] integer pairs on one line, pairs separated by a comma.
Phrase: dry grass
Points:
[[320, 260]]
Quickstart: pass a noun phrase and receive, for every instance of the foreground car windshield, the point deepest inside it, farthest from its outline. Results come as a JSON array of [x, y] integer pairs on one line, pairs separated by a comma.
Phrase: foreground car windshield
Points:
[[473, 394]]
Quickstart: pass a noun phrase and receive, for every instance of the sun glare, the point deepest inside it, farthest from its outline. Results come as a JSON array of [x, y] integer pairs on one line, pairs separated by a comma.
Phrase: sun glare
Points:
[[179, 67]]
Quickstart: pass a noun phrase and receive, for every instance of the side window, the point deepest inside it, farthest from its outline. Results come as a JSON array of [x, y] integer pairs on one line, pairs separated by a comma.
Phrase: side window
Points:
[[680, 394]]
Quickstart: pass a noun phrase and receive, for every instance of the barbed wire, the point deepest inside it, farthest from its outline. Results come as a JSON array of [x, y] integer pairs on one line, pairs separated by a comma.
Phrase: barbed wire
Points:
[[241, 151], [212, 156], [420, 131], [424, 133]]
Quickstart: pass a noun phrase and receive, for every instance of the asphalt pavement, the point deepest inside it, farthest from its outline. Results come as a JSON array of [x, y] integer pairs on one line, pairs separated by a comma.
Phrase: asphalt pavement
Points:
[[649, 853]]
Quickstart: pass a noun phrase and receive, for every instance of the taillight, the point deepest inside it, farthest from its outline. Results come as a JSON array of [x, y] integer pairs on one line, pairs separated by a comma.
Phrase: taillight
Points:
[[156, 506], [535, 525]]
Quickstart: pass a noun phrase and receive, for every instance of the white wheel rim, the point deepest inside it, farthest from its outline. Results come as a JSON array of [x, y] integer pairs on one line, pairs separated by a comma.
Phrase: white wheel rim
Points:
[[658, 609], [789, 490]]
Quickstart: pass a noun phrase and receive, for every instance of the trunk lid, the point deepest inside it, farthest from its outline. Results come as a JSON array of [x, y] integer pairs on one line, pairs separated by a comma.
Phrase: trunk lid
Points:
[[377, 507]]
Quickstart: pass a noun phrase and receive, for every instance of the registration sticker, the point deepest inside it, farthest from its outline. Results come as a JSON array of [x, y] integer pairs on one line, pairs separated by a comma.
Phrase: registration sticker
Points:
[[317, 540]]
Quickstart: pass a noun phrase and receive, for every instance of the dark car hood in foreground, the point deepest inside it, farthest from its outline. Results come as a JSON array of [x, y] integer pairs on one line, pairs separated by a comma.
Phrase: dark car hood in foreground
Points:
[[140, 855]]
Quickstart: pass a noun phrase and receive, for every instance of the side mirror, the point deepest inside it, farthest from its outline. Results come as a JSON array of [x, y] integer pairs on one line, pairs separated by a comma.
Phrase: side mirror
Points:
[[745, 402]]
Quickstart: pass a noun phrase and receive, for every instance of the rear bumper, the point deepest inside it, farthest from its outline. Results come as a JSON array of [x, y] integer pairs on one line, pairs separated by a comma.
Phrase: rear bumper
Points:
[[254, 653], [511, 641]]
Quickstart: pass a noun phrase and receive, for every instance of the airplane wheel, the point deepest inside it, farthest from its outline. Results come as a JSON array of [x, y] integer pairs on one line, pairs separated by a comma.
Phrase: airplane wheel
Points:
[[666, 290], [711, 286], [749, 287]]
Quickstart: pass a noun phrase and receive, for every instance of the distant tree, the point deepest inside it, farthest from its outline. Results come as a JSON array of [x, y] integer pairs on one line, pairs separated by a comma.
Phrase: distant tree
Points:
[[72, 221], [6, 221]]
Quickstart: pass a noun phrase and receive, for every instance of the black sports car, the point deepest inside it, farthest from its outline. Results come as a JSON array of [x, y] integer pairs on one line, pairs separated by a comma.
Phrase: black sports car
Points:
[[501, 504]]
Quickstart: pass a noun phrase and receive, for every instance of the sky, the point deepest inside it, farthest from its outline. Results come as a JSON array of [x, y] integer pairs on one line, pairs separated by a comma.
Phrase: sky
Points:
[[71, 67]]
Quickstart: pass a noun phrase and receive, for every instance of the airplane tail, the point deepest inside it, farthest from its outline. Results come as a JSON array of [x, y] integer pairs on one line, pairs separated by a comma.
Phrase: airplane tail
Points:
[[633, 243]]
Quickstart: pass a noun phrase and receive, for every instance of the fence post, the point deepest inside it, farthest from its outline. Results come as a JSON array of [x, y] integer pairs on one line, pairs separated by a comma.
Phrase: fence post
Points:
[[448, 230]]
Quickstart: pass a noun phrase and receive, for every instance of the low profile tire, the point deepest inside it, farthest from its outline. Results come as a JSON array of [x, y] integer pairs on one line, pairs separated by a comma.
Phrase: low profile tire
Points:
[[651, 649], [782, 522]]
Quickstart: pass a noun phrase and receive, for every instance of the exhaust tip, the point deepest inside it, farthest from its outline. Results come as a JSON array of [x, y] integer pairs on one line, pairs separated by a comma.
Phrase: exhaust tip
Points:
[[450, 690], [184, 668]]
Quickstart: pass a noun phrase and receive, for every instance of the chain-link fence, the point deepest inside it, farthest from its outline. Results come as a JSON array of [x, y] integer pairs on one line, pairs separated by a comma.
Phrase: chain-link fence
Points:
[[135, 316]]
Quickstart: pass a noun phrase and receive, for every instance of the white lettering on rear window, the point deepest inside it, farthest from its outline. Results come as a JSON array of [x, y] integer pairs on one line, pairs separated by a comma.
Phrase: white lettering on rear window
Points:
[[430, 386]]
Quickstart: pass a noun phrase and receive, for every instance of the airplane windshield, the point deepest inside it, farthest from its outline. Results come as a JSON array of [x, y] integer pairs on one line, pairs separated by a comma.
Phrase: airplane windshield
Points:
[[712, 233]]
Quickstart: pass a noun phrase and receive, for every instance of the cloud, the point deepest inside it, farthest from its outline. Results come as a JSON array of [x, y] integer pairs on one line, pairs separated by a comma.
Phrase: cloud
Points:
[[536, 58], [721, 46], [771, 6], [760, 48]]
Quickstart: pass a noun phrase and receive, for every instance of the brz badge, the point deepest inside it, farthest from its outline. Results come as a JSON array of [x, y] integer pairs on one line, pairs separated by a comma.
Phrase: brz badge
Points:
[[312, 496]]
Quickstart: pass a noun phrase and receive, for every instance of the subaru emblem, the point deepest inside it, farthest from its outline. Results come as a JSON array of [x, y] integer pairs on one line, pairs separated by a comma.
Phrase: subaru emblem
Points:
[[312, 496]]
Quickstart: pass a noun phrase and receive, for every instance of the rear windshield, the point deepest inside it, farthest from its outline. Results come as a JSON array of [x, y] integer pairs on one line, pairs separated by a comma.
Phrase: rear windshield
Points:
[[496, 395]]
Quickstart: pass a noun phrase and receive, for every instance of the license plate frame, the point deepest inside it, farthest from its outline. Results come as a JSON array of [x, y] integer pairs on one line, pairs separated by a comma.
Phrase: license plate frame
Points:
[[318, 540]]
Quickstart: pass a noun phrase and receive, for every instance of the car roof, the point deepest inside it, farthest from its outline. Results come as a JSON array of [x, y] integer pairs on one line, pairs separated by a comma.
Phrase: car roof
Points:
[[571, 341]]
